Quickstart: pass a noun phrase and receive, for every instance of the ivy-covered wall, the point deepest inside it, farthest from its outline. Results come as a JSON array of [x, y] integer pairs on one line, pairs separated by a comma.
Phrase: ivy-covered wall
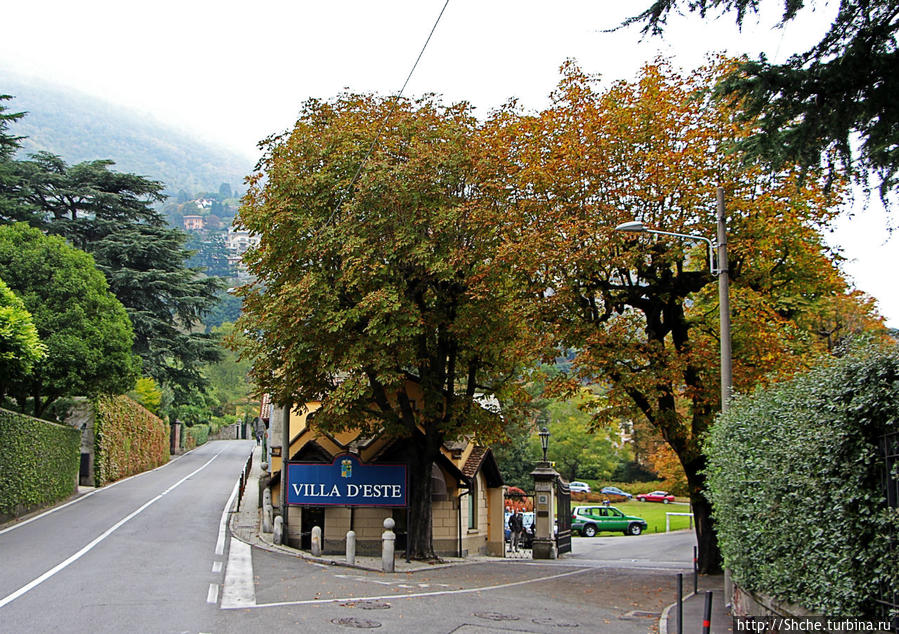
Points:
[[129, 439], [38, 463], [796, 478]]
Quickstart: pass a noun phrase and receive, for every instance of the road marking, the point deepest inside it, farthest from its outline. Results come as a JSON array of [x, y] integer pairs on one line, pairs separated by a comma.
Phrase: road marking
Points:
[[239, 590], [223, 523], [36, 582], [393, 597], [216, 566], [213, 595], [398, 584]]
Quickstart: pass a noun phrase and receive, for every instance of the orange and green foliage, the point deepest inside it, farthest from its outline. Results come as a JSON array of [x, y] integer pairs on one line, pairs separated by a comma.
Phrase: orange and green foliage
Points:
[[369, 284], [129, 439], [642, 311]]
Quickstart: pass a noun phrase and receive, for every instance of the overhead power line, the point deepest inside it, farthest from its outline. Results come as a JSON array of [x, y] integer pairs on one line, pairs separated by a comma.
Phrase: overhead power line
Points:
[[386, 118]]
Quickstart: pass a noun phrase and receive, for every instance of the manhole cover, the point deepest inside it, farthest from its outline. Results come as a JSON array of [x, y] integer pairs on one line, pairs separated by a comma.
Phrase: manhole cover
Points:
[[495, 616], [351, 621], [548, 620]]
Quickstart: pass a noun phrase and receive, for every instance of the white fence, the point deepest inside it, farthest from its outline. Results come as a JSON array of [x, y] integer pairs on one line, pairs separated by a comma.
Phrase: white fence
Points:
[[668, 520]]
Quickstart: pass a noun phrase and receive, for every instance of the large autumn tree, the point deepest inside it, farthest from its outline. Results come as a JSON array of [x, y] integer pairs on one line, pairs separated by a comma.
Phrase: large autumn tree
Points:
[[642, 312], [367, 284]]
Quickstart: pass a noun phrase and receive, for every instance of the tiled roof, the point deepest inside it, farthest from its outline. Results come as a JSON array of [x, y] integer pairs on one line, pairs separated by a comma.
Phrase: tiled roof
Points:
[[470, 469]]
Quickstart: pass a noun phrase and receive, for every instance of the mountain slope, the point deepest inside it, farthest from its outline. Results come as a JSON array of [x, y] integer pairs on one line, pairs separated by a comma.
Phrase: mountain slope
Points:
[[80, 128]]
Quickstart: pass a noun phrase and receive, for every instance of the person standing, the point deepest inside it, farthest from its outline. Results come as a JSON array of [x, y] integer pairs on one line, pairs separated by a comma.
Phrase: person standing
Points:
[[259, 429], [516, 526]]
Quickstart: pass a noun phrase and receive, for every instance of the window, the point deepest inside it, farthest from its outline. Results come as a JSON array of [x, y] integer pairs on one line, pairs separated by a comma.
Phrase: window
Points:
[[473, 505]]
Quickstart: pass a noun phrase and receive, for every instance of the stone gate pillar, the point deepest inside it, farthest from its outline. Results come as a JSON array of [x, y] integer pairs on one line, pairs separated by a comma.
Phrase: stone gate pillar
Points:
[[544, 511]]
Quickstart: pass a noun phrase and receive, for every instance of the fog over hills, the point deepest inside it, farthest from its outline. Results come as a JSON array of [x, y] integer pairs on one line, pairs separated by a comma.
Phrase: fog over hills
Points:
[[81, 128]]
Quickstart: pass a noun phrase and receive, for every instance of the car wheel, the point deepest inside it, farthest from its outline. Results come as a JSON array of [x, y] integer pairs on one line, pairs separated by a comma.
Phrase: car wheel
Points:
[[665, 500], [589, 530], [634, 529]]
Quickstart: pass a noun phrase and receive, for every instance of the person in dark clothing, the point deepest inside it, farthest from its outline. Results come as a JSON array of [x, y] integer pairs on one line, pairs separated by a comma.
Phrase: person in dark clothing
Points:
[[516, 526]]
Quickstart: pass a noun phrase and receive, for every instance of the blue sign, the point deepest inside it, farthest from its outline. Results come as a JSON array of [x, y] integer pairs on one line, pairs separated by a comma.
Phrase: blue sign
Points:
[[346, 482]]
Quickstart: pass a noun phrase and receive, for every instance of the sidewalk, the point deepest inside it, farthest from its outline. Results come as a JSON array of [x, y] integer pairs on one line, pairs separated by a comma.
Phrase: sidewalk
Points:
[[694, 608], [246, 525]]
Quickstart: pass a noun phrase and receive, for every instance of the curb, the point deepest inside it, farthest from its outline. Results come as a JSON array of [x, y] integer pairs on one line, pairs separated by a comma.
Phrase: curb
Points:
[[663, 620]]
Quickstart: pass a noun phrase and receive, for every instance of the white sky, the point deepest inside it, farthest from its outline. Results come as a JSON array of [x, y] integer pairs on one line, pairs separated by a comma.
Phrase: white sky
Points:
[[234, 72]]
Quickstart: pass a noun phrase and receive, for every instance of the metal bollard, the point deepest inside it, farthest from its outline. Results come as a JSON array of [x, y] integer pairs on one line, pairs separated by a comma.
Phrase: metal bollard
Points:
[[388, 544], [351, 547], [707, 617], [695, 570], [278, 531], [316, 541], [680, 603]]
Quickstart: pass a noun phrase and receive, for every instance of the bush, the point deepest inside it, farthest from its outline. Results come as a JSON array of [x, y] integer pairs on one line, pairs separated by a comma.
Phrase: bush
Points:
[[199, 433], [39, 463], [632, 471], [795, 479], [129, 439]]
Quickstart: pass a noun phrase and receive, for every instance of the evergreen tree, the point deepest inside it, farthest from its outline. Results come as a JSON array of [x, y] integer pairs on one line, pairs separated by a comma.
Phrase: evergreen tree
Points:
[[110, 215], [817, 104]]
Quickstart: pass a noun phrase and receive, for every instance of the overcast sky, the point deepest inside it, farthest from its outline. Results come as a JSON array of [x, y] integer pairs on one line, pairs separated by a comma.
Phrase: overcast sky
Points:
[[234, 72]]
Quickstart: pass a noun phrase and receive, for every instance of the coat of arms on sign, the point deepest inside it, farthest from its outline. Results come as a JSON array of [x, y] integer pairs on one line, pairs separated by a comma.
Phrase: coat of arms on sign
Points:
[[346, 469]]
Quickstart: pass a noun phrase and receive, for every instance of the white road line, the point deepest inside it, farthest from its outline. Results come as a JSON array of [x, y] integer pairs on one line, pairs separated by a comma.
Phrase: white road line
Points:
[[223, 523], [393, 597], [36, 582], [213, 595], [216, 566], [239, 590]]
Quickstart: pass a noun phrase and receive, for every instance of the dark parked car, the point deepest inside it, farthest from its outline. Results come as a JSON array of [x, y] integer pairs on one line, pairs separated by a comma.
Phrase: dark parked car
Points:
[[614, 494]]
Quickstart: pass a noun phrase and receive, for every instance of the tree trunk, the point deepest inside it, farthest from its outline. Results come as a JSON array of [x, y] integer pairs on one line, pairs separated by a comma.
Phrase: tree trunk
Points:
[[419, 540], [709, 554]]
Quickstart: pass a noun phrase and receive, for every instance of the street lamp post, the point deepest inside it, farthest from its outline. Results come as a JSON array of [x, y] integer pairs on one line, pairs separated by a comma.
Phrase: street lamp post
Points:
[[718, 268]]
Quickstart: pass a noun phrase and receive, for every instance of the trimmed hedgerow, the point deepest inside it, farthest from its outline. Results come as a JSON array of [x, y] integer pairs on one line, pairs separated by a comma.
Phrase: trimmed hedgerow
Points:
[[129, 439], [795, 478], [39, 463], [199, 433]]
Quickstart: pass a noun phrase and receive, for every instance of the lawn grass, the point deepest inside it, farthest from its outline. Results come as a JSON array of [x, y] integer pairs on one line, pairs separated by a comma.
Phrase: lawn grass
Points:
[[652, 512]]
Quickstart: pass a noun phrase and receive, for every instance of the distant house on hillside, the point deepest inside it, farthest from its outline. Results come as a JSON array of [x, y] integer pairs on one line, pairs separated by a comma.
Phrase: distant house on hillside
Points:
[[237, 242], [193, 223]]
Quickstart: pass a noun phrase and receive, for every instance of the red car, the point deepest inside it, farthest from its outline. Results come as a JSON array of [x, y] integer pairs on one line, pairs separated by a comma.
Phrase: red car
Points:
[[656, 496]]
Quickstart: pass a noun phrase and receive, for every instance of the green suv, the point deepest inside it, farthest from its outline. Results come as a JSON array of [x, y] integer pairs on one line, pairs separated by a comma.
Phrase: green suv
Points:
[[589, 520]]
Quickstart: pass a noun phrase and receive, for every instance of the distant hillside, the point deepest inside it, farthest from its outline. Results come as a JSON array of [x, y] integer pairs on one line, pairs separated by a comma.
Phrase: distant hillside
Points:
[[81, 128]]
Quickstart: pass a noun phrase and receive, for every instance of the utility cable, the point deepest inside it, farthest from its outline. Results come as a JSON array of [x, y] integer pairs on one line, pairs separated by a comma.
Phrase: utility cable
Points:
[[384, 121]]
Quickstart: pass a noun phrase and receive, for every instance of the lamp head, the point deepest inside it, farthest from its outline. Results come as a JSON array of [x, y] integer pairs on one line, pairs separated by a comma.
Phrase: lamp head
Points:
[[634, 226]]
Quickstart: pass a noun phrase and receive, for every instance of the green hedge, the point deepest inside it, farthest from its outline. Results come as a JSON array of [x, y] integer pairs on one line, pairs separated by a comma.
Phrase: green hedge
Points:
[[39, 463], [129, 439], [200, 434], [795, 478]]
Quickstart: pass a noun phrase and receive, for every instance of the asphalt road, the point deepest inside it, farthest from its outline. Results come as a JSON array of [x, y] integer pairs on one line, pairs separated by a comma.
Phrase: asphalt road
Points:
[[610, 584], [145, 554], [151, 554]]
